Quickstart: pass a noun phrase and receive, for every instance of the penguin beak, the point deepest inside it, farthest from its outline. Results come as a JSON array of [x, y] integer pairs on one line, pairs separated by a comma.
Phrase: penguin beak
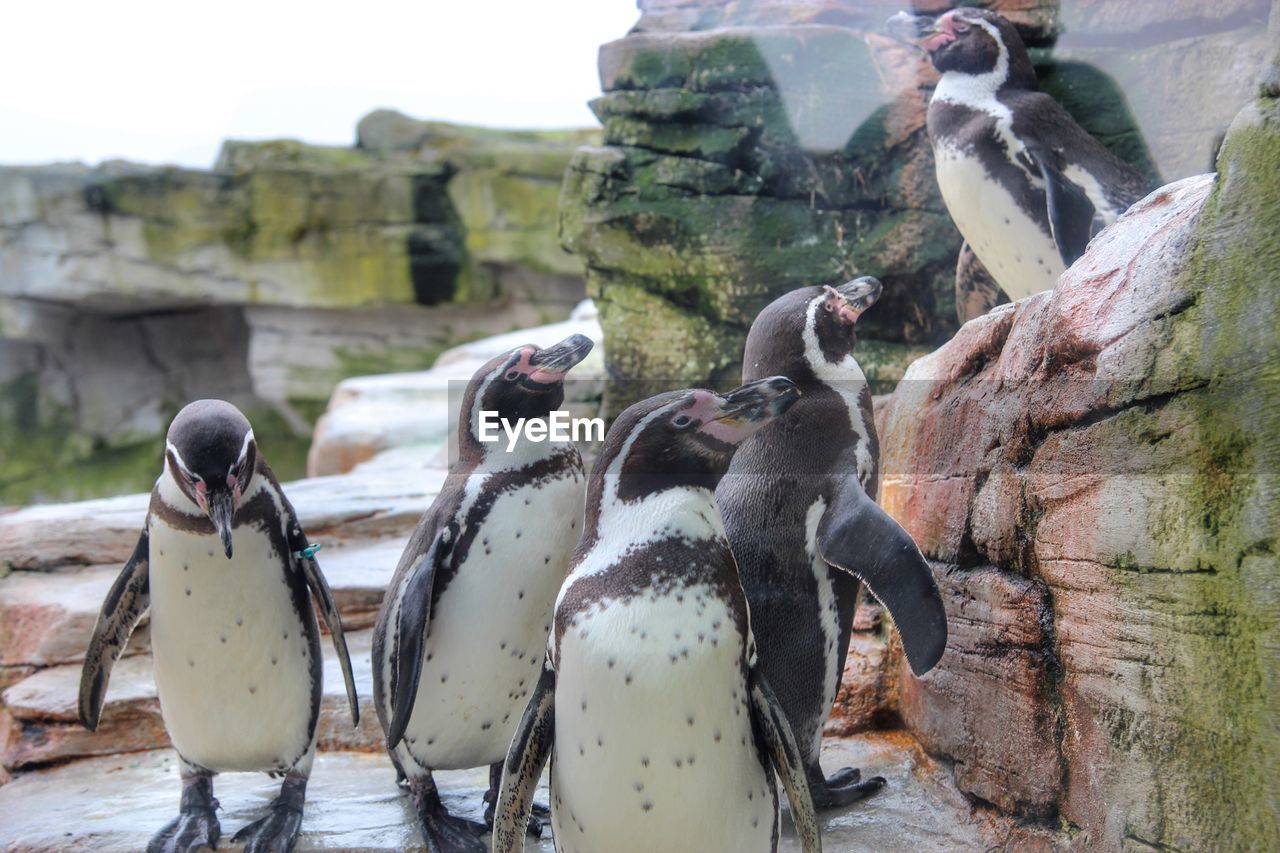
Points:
[[857, 296], [221, 509], [918, 30], [744, 410], [551, 364]]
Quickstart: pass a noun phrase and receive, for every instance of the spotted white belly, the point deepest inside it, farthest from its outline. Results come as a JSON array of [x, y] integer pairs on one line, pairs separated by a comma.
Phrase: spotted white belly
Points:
[[231, 654], [653, 742], [489, 629], [1022, 258]]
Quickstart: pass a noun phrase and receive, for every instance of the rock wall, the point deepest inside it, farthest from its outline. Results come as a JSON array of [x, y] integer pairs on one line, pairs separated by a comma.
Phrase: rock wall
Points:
[[1096, 473], [750, 148], [126, 291]]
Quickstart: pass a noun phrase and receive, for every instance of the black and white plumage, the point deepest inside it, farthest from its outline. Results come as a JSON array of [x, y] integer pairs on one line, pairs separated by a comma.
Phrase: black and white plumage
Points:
[[799, 509], [221, 566], [462, 631], [663, 734], [1026, 186]]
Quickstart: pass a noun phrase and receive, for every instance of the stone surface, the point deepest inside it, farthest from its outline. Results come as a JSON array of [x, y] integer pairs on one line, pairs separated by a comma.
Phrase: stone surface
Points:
[[126, 291], [1095, 469], [750, 148], [369, 415], [115, 803]]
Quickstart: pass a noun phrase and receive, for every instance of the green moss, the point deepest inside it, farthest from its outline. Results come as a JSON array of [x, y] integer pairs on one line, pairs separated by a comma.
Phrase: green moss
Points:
[[1224, 682]]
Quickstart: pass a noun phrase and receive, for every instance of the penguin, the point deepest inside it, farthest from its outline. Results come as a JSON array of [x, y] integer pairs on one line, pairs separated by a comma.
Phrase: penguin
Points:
[[459, 639], [228, 576], [1026, 186], [663, 733], [800, 512]]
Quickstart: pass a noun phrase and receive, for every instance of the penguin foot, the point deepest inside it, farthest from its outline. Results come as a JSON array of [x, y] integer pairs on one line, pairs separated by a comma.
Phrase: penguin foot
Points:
[[443, 832], [275, 833], [843, 787], [196, 826], [192, 830]]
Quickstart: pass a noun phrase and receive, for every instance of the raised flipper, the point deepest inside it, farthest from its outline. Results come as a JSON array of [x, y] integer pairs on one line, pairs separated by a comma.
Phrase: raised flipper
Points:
[[530, 749], [303, 555], [1070, 211], [780, 743], [856, 535], [411, 633], [129, 598]]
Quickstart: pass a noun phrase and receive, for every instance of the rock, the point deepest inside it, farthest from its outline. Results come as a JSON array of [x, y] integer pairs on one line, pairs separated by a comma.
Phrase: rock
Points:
[[734, 169], [114, 803], [983, 706], [48, 618], [1097, 468], [732, 173], [41, 726], [127, 290]]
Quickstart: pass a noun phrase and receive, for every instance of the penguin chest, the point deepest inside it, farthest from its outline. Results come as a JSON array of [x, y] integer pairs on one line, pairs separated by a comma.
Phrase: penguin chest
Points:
[[1016, 248], [653, 740], [236, 666], [488, 629]]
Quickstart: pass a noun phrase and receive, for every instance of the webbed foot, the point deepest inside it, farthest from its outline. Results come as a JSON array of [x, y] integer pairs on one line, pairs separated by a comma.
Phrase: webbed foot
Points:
[[841, 788], [196, 826], [443, 832], [279, 830]]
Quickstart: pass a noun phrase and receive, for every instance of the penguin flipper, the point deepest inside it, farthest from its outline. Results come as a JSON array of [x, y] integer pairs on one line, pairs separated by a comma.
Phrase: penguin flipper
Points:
[[1070, 211], [780, 743], [530, 748], [129, 598], [411, 633], [298, 547], [856, 535]]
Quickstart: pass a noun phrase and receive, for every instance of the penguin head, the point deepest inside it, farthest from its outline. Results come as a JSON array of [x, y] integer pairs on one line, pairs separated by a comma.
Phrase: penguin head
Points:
[[211, 454], [804, 331], [967, 41], [686, 438], [526, 382]]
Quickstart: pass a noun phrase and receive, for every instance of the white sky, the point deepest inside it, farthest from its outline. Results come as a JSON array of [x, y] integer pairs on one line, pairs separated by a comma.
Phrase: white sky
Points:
[[166, 82]]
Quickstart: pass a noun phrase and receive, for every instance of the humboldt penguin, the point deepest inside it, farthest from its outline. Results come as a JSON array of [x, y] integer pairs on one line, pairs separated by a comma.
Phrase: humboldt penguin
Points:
[[459, 640], [229, 577], [663, 733], [1025, 184], [799, 507]]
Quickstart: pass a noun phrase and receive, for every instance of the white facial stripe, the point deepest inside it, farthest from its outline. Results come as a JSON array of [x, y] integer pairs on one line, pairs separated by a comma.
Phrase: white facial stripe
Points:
[[244, 448], [845, 377], [473, 417], [178, 458]]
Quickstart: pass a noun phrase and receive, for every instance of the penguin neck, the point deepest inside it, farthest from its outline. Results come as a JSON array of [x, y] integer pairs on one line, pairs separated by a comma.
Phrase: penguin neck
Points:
[[977, 91], [618, 525], [843, 375]]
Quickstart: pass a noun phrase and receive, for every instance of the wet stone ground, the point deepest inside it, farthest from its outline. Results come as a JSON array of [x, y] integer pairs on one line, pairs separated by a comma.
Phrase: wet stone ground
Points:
[[114, 803]]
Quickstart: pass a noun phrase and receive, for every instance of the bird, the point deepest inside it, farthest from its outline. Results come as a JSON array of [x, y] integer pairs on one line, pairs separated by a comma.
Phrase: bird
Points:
[[662, 732], [228, 576], [1026, 186], [800, 513], [459, 638]]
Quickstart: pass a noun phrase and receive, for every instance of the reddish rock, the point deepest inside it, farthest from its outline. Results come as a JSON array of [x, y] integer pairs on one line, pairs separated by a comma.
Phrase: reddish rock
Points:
[[868, 694], [47, 619], [986, 705], [1097, 467]]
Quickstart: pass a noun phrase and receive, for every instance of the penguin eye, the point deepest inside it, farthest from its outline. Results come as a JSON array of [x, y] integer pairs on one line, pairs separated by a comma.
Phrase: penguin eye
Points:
[[512, 375], [961, 27], [681, 421], [828, 307]]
